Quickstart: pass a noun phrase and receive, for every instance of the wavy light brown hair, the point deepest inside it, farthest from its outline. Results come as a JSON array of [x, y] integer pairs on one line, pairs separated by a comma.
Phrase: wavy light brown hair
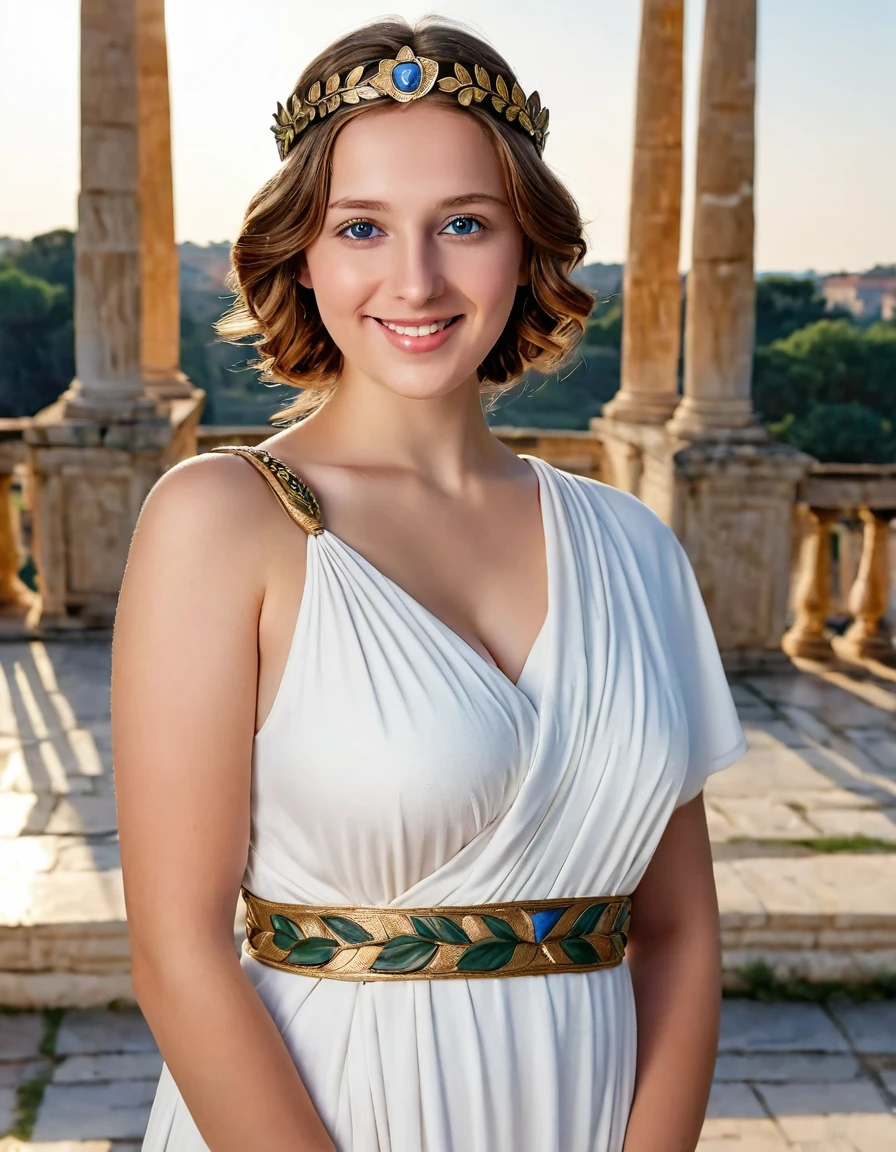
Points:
[[287, 213]]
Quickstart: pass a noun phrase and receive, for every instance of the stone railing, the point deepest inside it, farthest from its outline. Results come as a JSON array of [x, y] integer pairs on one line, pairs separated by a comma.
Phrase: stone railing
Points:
[[16, 599], [573, 451], [843, 563]]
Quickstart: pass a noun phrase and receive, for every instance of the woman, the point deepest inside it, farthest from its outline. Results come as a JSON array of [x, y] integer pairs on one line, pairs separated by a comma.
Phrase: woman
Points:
[[445, 717]]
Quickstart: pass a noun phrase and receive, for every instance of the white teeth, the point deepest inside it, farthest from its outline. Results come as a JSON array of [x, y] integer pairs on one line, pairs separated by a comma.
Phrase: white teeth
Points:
[[416, 329]]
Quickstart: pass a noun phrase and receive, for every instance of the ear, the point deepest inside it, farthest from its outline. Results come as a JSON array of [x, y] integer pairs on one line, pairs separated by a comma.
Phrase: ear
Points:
[[304, 276], [523, 277]]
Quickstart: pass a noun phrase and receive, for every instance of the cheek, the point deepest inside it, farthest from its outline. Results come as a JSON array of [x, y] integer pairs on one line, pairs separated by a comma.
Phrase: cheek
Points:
[[340, 284], [489, 275]]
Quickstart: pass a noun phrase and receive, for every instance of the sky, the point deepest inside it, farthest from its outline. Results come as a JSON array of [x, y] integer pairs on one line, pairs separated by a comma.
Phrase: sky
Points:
[[826, 145]]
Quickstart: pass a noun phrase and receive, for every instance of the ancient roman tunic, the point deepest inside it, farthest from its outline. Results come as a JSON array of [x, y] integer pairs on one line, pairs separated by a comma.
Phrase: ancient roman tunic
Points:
[[399, 767]]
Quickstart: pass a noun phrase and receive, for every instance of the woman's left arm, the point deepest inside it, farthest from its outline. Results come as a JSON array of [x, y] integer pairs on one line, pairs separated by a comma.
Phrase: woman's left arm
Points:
[[674, 954]]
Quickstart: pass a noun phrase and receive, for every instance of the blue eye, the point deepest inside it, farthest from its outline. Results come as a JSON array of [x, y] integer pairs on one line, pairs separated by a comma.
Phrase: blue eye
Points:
[[359, 230], [464, 226]]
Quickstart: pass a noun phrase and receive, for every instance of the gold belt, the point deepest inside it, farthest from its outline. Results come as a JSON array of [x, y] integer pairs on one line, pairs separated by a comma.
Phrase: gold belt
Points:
[[516, 938]]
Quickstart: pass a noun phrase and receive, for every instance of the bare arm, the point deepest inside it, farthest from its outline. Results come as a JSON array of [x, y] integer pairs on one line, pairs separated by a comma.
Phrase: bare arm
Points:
[[184, 667], [675, 958]]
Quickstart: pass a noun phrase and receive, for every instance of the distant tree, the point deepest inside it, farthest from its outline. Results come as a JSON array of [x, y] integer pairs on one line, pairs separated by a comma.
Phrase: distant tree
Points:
[[50, 257], [604, 326], [37, 360], [785, 304], [840, 433]]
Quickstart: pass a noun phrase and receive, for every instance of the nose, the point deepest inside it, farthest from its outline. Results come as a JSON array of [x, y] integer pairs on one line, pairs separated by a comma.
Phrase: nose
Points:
[[417, 276]]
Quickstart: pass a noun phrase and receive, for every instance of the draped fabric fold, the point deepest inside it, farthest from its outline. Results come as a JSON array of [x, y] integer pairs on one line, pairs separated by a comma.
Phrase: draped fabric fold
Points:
[[399, 768]]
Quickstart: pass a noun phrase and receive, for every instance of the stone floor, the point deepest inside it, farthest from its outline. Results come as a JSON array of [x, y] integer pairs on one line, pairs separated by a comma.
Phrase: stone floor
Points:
[[797, 1076], [803, 828]]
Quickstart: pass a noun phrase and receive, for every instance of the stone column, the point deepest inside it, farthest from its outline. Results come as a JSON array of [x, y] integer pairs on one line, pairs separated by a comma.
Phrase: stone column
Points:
[[160, 288], [651, 324], [720, 323], [130, 413], [108, 381]]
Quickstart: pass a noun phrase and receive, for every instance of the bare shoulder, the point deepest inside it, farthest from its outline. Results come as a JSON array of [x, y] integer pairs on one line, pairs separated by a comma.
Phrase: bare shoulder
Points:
[[208, 510]]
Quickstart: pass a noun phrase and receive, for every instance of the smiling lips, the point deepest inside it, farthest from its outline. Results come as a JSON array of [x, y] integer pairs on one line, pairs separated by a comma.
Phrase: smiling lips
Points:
[[420, 336]]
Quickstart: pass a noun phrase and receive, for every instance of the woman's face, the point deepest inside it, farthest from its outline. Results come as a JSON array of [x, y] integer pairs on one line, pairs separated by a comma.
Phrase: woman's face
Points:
[[417, 264]]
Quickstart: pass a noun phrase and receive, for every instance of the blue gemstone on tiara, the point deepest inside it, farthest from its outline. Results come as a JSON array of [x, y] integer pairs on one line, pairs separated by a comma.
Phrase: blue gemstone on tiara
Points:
[[407, 76]]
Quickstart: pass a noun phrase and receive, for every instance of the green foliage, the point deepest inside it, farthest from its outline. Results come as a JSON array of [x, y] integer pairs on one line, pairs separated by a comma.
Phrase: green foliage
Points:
[[785, 304], [828, 389], [37, 360], [604, 327], [840, 433], [758, 982], [567, 399]]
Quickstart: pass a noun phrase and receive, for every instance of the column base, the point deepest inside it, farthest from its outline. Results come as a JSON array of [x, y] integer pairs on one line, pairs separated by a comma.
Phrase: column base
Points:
[[110, 406], [640, 407], [88, 479], [719, 421]]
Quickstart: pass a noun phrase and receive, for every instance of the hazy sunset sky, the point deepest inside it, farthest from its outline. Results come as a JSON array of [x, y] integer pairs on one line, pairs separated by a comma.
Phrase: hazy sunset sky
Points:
[[826, 143]]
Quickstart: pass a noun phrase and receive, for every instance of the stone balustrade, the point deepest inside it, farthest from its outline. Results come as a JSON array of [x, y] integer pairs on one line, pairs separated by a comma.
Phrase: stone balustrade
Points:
[[16, 599], [844, 513]]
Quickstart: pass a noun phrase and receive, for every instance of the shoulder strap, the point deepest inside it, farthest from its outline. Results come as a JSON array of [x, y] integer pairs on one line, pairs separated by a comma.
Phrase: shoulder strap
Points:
[[296, 498]]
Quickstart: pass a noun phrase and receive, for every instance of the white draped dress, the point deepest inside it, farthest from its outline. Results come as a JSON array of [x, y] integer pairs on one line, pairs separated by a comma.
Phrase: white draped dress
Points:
[[398, 767]]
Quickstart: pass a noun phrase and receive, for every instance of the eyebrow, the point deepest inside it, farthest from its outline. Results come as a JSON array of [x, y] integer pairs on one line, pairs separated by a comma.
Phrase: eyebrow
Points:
[[452, 202]]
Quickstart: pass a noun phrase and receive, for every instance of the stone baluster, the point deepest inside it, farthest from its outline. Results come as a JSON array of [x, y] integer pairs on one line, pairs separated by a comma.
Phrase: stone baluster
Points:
[[806, 638], [651, 326], [867, 601]]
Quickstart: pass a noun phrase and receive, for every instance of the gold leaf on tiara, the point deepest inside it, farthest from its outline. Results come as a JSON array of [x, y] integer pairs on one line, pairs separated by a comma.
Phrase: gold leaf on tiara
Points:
[[314, 92], [482, 76], [501, 85], [449, 84], [354, 76], [332, 84], [498, 104], [525, 121], [519, 96], [462, 74], [350, 96], [512, 112], [479, 94], [465, 96]]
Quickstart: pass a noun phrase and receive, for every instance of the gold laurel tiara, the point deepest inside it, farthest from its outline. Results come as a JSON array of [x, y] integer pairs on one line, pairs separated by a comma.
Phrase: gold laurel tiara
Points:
[[408, 77]]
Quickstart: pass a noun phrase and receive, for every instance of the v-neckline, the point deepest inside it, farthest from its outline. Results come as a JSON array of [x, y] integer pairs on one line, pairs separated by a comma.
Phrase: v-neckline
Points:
[[447, 630]]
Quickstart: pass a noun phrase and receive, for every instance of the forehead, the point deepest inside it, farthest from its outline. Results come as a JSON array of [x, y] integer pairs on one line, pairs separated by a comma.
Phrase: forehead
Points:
[[400, 152]]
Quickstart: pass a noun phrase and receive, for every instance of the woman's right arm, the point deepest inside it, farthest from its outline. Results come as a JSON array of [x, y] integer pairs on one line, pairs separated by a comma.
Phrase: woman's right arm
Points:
[[184, 668]]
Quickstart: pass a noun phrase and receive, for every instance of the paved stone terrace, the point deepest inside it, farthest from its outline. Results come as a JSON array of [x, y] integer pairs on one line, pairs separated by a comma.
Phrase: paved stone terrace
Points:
[[804, 840], [788, 1076], [803, 828]]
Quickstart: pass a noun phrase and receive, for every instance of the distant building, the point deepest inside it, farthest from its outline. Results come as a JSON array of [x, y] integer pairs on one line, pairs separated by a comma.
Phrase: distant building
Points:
[[866, 296]]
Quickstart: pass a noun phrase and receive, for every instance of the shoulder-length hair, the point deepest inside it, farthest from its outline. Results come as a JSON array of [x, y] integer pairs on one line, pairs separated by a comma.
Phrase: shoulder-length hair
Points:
[[287, 213]]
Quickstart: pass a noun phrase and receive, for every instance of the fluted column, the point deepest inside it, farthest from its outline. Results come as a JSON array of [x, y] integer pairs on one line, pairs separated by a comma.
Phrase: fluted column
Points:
[[720, 324], [651, 323]]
